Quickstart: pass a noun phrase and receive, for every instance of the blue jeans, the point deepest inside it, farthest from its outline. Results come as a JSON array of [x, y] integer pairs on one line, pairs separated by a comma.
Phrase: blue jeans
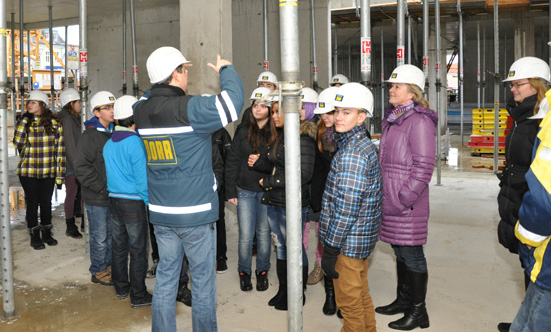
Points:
[[253, 219], [412, 256], [99, 219], [130, 230], [278, 225], [199, 245], [533, 315]]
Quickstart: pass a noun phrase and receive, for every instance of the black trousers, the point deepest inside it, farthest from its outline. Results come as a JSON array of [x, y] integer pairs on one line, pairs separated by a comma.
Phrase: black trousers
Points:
[[38, 192]]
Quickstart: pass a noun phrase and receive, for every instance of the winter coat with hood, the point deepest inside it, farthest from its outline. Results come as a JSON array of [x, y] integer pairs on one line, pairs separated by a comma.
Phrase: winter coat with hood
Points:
[[518, 154], [71, 134], [274, 163], [89, 164], [407, 154]]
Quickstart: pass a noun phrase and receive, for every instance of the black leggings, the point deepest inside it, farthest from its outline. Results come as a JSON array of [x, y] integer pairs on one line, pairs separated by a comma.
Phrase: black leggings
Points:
[[38, 192]]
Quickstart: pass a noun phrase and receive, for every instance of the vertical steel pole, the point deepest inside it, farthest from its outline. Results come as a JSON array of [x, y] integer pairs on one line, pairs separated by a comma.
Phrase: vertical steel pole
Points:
[[438, 86], [5, 229], [484, 67], [124, 47], [329, 42], [349, 58], [21, 59], [505, 66], [460, 65], [14, 85], [478, 76], [365, 17], [335, 52], [409, 32], [314, 54], [497, 81], [66, 85], [382, 76], [290, 89], [134, 55], [426, 21], [51, 31], [29, 73], [265, 26], [83, 65], [400, 34]]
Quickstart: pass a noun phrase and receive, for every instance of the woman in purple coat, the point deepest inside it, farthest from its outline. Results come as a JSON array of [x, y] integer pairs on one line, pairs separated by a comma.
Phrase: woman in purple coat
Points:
[[407, 155]]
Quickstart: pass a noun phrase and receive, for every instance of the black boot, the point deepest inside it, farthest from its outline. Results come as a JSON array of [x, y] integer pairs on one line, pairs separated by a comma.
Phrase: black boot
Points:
[[72, 229], [330, 306], [245, 281], [36, 241], [417, 316], [281, 269], [184, 294], [304, 282], [403, 301], [47, 235]]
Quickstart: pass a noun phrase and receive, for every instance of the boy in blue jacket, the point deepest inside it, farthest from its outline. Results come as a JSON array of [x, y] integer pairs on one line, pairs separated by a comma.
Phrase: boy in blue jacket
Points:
[[125, 164]]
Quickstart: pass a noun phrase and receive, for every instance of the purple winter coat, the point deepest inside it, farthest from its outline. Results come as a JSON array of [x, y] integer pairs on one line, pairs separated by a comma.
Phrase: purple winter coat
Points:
[[407, 155]]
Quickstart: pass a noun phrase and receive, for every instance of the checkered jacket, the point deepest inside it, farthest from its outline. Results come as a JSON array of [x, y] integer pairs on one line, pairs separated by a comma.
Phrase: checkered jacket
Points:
[[351, 206], [42, 154]]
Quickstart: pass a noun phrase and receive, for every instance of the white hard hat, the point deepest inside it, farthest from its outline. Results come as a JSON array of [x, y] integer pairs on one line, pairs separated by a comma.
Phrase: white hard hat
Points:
[[123, 107], [162, 62], [308, 96], [408, 74], [542, 111], [260, 93], [354, 95], [338, 79], [40, 96], [267, 76], [68, 95], [528, 67], [101, 98], [326, 99]]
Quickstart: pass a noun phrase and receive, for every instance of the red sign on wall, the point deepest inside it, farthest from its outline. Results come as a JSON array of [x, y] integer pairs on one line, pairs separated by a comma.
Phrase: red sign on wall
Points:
[[83, 56], [366, 46]]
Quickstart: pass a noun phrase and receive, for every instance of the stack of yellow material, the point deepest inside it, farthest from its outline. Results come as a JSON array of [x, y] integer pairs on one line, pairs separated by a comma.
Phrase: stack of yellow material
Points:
[[482, 138]]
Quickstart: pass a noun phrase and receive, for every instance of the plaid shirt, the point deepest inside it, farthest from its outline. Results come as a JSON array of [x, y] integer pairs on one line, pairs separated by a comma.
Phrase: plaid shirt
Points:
[[42, 154], [351, 207]]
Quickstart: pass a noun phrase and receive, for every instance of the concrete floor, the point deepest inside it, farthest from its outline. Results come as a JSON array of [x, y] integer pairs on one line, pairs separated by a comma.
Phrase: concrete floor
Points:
[[474, 283]]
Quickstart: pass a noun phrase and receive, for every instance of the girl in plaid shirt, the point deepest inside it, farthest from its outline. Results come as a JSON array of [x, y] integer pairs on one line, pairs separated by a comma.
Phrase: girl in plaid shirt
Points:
[[39, 139]]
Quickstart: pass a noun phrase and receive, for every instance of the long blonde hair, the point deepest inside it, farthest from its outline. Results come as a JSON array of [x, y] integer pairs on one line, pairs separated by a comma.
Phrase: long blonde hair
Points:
[[541, 87], [418, 95]]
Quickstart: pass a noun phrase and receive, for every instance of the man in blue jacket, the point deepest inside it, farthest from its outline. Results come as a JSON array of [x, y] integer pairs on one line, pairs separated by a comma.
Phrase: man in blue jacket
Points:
[[183, 200], [125, 160]]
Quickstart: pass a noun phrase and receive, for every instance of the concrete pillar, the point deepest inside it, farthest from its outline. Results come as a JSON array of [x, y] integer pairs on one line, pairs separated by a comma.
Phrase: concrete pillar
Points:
[[442, 109], [201, 39], [524, 37]]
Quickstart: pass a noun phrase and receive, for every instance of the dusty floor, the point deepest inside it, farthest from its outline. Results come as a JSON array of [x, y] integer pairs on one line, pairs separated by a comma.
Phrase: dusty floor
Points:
[[474, 283]]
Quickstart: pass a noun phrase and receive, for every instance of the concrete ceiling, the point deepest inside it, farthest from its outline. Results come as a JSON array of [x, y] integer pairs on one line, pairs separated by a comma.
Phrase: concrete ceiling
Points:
[[35, 12]]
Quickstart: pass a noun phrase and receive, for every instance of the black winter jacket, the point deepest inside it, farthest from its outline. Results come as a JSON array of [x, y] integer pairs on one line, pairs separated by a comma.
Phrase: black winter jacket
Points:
[[221, 142], [518, 154], [71, 134], [274, 162], [322, 166]]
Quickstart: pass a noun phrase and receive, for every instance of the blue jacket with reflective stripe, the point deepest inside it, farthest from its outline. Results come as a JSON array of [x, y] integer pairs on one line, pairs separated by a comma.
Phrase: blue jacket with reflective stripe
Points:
[[176, 131]]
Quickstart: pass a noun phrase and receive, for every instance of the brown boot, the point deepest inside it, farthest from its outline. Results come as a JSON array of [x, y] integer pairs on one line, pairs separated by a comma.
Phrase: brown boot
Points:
[[103, 278], [316, 275]]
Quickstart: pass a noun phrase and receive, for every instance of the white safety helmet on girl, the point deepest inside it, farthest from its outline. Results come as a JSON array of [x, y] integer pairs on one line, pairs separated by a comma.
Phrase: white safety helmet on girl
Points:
[[39, 96], [308, 96], [260, 93], [408, 74], [326, 99], [354, 95], [68, 95], [338, 79], [528, 67]]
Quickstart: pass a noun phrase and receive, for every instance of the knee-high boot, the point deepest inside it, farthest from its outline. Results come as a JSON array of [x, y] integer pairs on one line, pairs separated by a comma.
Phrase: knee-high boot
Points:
[[330, 306], [403, 301], [281, 269], [417, 316]]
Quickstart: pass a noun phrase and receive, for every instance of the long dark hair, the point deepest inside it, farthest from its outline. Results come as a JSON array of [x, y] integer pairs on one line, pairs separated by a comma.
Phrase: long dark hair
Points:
[[257, 137], [45, 119], [70, 109]]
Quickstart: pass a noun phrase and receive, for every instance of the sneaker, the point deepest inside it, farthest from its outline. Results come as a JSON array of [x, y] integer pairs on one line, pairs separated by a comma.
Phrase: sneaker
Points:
[[152, 272], [146, 301], [245, 281], [122, 296], [184, 295], [316, 275], [102, 278], [261, 281], [221, 266]]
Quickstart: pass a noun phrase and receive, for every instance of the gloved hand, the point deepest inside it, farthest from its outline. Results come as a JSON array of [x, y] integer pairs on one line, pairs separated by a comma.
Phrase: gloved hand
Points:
[[329, 260]]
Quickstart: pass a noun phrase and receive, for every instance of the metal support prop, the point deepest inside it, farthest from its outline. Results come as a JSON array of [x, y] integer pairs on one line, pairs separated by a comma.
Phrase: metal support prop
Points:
[[124, 47], [329, 42], [66, 85], [460, 66], [83, 73], [29, 73], [365, 19], [13, 83], [438, 89], [497, 81], [21, 59], [426, 19], [134, 60], [484, 67], [409, 32], [335, 52], [400, 34], [51, 32], [5, 229], [382, 76], [314, 54], [265, 27], [478, 77], [290, 89]]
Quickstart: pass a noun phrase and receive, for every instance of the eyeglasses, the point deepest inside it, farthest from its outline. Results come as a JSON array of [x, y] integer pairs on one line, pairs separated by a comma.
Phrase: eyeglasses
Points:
[[517, 85], [105, 108], [34, 102]]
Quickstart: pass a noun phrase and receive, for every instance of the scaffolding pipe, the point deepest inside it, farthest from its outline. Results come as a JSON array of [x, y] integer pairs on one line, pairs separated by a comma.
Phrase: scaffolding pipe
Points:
[[366, 69], [265, 27], [13, 82], [484, 67], [426, 46], [134, 60], [83, 73], [497, 81], [66, 85], [400, 34], [349, 58], [505, 71], [409, 32], [478, 78], [123, 47], [29, 73], [51, 32], [290, 91], [21, 59], [5, 229], [382, 76], [314, 55], [460, 66], [329, 42], [335, 52], [438, 89]]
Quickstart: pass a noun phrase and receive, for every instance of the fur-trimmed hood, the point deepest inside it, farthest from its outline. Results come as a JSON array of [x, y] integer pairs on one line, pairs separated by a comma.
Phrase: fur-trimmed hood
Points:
[[308, 128]]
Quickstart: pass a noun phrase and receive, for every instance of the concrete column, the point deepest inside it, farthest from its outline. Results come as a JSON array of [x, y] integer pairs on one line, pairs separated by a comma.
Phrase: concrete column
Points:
[[524, 37], [201, 40]]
